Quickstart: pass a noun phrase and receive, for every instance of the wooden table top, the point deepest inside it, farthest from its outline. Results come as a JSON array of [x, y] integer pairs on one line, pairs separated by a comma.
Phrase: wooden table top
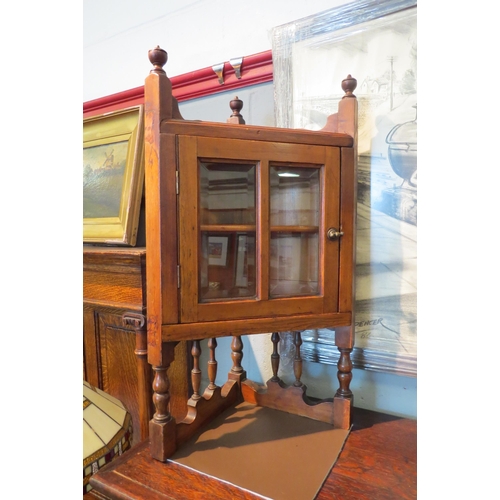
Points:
[[379, 461]]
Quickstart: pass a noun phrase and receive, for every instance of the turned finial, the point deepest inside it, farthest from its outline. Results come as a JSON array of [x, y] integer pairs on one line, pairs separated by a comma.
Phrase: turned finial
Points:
[[158, 58], [236, 105], [349, 84]]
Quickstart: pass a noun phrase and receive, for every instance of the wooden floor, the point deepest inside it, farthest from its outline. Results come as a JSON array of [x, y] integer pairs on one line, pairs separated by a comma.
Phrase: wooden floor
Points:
[[378, 462]]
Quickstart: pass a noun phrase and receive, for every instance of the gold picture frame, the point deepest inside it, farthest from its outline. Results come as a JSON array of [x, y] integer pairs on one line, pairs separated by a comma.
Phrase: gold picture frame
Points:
[[113, 176]]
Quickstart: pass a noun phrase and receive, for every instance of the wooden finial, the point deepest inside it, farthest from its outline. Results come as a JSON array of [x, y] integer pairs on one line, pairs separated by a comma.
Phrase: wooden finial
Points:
[[349, 84], [236, 105], [158, 58]]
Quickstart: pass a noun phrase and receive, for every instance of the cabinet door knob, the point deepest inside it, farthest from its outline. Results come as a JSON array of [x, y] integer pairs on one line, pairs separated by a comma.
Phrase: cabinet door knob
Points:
[[332, 234]]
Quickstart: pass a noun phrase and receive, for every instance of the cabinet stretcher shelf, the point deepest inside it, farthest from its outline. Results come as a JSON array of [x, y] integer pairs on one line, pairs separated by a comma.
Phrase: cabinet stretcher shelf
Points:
[[187, 331]]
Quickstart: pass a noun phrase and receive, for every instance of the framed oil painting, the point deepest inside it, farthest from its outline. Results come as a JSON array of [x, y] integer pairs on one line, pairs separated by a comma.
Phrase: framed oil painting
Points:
[[376, 42], [113, 176]]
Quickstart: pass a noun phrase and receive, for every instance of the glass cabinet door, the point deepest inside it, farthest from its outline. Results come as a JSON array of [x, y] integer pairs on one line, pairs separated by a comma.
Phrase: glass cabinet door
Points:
[[253, 219], [294, 225], [227, 216]]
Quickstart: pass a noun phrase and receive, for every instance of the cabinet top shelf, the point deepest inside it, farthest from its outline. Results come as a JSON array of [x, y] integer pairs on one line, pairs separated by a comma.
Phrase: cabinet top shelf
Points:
[[256, 133]]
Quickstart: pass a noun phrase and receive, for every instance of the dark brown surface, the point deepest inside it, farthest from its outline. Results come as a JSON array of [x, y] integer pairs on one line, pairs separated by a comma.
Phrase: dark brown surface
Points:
[[378, 462]]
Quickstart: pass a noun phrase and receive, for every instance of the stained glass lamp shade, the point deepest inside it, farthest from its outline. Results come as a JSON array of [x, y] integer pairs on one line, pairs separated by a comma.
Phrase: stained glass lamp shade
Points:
[[107, 431]]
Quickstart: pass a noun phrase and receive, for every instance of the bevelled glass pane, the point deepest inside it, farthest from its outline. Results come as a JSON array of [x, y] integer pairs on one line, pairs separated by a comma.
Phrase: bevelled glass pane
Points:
[[293, 264], [294, 218], [227, 266], [295, 196], [227, 193]]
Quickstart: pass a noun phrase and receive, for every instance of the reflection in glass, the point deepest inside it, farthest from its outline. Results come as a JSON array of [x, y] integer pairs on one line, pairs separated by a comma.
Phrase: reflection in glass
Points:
[[294, 196], [227, 193], [294, 242], [293, 264], [227, 266], [227, 224]]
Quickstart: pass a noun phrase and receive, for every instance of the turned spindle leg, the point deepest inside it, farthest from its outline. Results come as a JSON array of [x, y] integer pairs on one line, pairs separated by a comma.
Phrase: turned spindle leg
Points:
[[275, 357], [196, 372], [343, 400], [161, 395], [297, 360], [237, 355], [162, 425], [212, 364], [344, 373]]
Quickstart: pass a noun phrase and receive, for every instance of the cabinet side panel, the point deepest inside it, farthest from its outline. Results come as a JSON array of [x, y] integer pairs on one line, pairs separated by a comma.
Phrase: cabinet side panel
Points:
[[158, 189], [161, 241], [348, 225]]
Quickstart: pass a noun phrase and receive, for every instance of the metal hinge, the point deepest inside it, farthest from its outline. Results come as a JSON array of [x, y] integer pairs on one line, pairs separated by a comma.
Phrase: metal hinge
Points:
[[178, 276], [176, 182]]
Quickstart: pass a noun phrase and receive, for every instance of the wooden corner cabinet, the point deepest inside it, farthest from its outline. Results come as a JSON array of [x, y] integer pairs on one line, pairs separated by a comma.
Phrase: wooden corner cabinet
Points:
[[249, 230]]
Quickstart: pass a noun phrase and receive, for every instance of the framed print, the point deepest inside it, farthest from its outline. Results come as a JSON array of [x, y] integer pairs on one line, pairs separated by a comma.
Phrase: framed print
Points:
[[113, 176], [376, 42], [217, 250]]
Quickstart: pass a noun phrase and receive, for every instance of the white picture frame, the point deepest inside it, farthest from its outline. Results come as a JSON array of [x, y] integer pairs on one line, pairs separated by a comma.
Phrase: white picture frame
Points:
[[375, 42]]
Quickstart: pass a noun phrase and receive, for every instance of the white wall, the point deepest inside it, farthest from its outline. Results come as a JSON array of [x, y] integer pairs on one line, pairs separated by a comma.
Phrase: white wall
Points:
[[117, 35], [197, 34]]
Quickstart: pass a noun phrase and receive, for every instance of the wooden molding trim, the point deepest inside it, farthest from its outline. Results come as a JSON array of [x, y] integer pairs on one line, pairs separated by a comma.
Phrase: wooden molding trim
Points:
[[255, 69]]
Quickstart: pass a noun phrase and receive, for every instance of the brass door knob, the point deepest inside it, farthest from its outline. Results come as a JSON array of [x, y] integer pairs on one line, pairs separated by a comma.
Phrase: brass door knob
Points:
[[332, 234]]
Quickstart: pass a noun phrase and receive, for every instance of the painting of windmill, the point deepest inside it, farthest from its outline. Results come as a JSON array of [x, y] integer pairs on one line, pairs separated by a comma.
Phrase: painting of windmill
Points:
[[103, 178]]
